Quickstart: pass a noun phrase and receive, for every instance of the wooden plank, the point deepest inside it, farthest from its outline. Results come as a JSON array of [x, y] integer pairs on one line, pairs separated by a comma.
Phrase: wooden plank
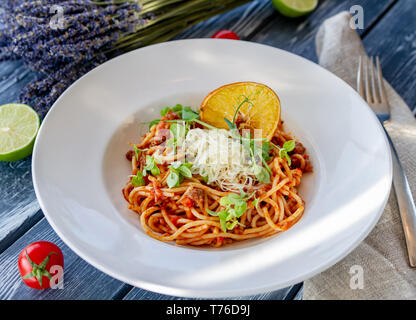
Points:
[[244, 20], [298, 35], [81, 280], [394, 40], [19, 209], [13, 77]]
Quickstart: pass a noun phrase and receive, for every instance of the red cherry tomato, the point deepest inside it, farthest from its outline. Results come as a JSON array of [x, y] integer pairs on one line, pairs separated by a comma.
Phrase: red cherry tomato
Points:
[[35, 262], [225, 34]]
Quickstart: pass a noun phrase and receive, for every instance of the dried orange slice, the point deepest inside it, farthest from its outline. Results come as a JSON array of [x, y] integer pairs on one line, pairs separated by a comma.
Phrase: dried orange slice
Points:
[[259, 107]]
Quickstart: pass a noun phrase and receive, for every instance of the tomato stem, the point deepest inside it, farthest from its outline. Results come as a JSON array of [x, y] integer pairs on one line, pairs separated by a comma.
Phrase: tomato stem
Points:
[[38, 271]]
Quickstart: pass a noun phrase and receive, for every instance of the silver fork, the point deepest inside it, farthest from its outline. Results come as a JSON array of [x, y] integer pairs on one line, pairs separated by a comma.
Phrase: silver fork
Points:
[[370, 86]]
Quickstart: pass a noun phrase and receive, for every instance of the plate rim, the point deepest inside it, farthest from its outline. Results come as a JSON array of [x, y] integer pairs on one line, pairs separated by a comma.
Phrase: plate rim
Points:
[[193, 293]]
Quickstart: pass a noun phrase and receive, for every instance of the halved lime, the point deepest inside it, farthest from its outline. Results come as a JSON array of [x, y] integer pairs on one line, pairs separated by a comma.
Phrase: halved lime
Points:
[[295, 8], [19, 125]]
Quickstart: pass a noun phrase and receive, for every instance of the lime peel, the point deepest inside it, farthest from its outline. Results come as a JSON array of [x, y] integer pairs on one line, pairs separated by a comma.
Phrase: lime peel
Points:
[[19, 125], [295, 8]]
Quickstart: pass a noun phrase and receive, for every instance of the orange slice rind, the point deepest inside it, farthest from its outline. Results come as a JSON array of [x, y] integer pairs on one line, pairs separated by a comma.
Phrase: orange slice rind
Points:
[[258, 105]]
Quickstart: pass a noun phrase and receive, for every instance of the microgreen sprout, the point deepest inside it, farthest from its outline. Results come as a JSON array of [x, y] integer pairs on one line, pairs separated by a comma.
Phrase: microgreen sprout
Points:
[[186, 113], [177, 109], [178, 171], [232, 125], [152, 123], [151, 166], [288, 146], [178, 133], [235, 205], [259, 154], [137, 151], [138, 180]]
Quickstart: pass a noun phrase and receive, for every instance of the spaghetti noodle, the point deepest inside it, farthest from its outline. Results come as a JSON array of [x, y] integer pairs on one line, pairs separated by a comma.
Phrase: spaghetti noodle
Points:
[[192, 212]]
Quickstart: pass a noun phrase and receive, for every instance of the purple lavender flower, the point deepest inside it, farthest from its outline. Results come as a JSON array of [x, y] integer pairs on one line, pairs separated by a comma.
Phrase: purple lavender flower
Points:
[[60, 56]]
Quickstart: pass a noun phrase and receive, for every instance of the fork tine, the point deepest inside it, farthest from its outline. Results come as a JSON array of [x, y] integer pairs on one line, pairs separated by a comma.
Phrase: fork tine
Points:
[[360, 87], [367, 81], [380, 82], [373, 83]]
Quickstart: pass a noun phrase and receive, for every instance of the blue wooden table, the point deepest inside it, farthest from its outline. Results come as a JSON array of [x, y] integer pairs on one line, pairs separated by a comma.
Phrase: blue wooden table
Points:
[[389, 31]]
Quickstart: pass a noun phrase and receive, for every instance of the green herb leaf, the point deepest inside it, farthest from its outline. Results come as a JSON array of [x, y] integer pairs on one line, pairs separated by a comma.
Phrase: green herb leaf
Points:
[[152, 123], [240, 209], [289, 160], [188, 114], [175, 164], [173, 180], [231, 225], [150, 162], [265, 149], [138, 180], [185, 171], [137, 151], [212, 213], [187, 164], [267, 166], [261, 174], [225, 201], [178, 171], [255, 202], [223, 224], [151, 166], [223, 215], [235, 206], [178, 132], [231, 215], [284, 155], [205, 178], [230, 124], [155, 170], [177, 108], [164, 111], [289, 145]]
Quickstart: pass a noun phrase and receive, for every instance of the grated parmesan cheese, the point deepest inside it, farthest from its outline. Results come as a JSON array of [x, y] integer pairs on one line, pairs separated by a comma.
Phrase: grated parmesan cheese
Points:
[[218, 157]]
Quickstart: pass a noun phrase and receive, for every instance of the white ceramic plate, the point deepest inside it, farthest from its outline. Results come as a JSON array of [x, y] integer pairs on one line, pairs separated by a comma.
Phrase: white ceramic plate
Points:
[[79, 167]]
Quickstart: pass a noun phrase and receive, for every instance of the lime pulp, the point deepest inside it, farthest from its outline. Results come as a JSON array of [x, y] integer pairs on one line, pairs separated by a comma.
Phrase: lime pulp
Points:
[[19, 125]]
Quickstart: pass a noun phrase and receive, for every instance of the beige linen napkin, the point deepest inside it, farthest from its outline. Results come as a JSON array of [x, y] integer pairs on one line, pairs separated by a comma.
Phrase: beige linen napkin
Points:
[[383, 254]]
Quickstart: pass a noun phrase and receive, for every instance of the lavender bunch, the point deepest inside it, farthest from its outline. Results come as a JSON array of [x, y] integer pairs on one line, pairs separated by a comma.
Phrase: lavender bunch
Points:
[[61, 40], [61, 54]]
